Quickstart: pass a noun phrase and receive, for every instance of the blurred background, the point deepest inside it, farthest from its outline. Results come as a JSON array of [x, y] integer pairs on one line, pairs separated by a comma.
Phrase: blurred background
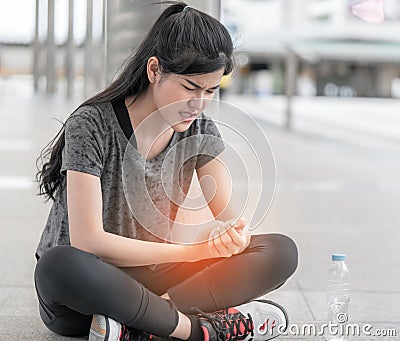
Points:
[[337, 53], [320, 77]]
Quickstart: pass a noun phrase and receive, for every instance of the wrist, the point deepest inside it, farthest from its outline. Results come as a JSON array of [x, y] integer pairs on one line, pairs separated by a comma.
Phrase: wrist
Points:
[[197, 252]]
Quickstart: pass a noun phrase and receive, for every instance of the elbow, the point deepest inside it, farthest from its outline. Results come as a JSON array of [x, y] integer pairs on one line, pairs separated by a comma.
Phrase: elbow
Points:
[[88, 242], [82, 245]]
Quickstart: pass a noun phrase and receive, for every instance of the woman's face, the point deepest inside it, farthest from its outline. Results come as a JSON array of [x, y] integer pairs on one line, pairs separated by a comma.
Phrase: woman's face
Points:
[[180, 99]]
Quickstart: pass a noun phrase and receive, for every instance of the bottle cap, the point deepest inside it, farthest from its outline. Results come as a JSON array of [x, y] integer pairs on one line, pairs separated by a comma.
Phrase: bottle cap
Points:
[[337, 256]]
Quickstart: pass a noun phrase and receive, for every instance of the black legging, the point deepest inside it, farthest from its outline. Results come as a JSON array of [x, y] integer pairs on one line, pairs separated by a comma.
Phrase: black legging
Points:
[[72, 285]]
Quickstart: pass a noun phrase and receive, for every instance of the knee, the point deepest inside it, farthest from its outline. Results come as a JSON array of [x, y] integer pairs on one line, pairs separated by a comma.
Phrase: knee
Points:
[[58, 267], [280, 252], [287, 253], [57, 259]]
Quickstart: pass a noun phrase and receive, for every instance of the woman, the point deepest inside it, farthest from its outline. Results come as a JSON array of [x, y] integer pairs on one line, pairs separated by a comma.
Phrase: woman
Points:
[[95, 271]]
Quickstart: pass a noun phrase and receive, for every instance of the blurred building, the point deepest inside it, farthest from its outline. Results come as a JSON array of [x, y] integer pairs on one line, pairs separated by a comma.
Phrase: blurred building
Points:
[[77, 45], [336, 52]]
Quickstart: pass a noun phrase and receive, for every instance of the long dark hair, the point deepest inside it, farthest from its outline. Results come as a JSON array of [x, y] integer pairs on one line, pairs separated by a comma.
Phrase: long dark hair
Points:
[[185, 41]]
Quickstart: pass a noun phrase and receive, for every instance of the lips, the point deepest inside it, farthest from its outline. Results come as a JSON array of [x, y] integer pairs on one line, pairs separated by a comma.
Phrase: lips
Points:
[[187, 115]]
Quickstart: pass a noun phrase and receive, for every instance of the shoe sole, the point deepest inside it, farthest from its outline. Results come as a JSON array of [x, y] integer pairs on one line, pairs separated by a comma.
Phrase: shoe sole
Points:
[[106, 337]]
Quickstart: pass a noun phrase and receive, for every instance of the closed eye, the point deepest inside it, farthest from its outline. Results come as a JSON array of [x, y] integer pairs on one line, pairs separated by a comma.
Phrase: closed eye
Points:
[[210, 90], [188, 88]]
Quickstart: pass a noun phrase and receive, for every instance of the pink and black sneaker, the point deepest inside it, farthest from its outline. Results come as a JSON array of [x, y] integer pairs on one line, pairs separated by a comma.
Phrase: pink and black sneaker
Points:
[[258, 320]]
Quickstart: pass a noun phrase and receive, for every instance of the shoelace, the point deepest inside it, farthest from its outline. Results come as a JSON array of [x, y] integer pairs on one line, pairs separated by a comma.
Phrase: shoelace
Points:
[[131, 334], [228, 326]]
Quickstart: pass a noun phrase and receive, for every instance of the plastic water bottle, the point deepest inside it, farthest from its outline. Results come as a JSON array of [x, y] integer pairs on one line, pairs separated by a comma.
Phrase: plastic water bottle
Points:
[[338, 299]]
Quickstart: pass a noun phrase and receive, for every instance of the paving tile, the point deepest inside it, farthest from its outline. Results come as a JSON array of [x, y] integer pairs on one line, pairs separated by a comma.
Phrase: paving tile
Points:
[[5, 292], [367, 267], [20, 234], [294, 303], [371, 307], [21, 302], [16, 268], [28, 328]]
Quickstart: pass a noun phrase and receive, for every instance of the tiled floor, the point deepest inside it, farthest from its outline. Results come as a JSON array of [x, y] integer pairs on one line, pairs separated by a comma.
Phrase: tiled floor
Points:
[[338, 190]]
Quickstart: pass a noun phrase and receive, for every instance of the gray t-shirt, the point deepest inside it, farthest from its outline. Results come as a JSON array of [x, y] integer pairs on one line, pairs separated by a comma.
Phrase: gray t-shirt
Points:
[[134, 190]]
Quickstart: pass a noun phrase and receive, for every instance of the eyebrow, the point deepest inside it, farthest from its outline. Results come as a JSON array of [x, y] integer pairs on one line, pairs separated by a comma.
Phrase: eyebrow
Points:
[[198, 86]]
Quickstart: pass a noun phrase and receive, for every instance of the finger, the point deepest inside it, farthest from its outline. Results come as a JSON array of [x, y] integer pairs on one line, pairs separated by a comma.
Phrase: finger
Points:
[[211, 248], [234, 237], [214, 252], [226, 240], [240, 224], [241, 221], [221, 241], [221, 248], [238, 239], [216, 249], [214, 232], [229, 243]]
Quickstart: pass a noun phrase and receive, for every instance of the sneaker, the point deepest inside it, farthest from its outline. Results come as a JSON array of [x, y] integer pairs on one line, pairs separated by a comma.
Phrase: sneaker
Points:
[[104, 328], [258, 320]]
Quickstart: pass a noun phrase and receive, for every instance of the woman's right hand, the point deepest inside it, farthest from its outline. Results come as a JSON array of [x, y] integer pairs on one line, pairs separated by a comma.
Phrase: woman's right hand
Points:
[[227, 241]]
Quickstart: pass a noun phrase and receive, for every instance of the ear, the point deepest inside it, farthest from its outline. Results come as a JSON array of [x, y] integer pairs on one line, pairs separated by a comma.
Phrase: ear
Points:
[[152, 69]]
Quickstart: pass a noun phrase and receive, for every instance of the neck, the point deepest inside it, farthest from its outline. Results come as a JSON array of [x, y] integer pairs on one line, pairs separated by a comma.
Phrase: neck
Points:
[[145, 119], [140, 109]]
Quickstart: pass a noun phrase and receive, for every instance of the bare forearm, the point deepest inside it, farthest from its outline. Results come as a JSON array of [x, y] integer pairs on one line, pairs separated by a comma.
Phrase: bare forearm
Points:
[[126, 252]]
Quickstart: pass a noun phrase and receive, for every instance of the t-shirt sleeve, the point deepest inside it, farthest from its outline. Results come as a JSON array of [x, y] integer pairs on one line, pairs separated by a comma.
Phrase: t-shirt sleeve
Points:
[[83, 150], [211, 145]]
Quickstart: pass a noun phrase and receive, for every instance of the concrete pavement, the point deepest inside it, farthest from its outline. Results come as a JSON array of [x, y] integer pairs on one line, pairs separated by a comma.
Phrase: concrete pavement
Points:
[[335, 193]]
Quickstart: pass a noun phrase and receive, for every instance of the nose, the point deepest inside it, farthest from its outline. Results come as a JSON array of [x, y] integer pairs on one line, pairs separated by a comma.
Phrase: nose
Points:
[[196, 103]]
